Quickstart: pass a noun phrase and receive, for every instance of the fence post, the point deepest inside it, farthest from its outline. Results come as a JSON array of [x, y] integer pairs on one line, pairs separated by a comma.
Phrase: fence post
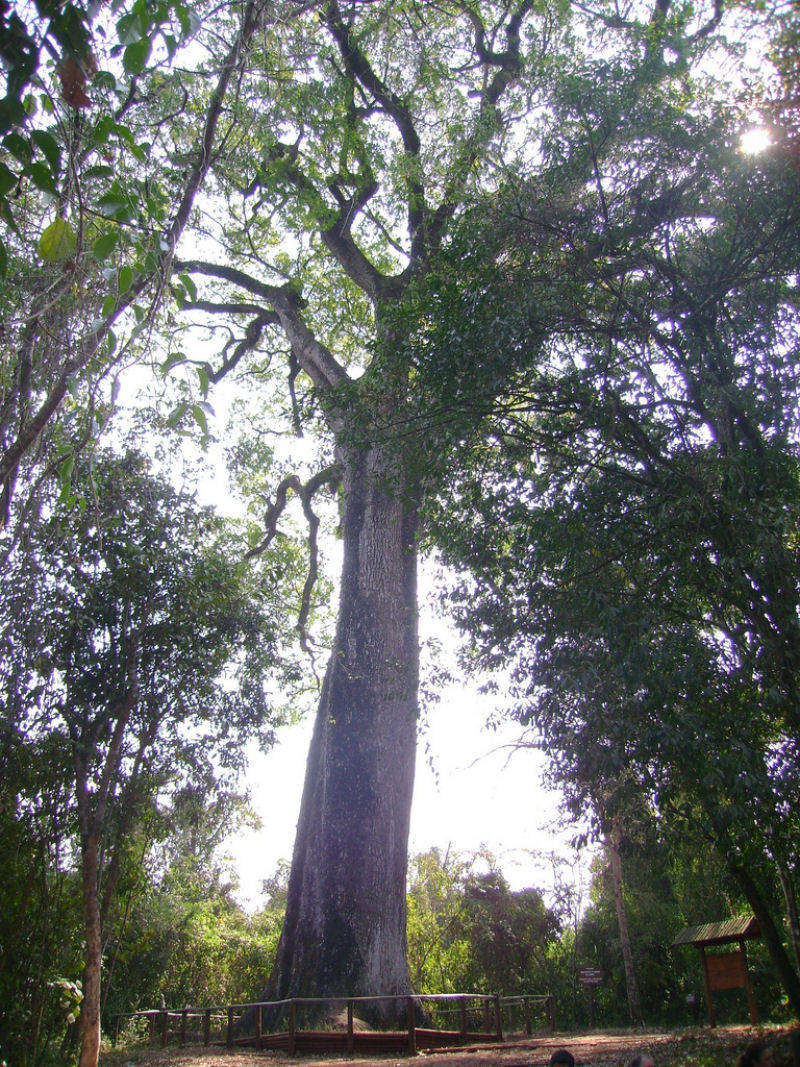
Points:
[[350, 1039], [229, 1034], [551, 1012], [184, 1016], [463, 1008], [259, 1023], [292, 1021], [498, 1017], [412, 1029], [207, 1026], [164, 1025], [116, 1030], [526, 1007]]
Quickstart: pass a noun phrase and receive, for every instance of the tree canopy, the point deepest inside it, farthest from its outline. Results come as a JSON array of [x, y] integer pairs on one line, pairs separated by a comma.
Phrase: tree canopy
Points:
[[505, 261], [135, 662], [629, 519]]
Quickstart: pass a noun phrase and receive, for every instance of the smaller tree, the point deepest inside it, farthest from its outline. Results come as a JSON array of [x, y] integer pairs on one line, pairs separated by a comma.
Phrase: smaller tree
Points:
[[467, 929], [140, 654]]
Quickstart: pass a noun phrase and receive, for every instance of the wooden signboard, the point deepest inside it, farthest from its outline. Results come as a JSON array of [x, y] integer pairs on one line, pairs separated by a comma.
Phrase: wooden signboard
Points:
[[591, 977], [727, 971], [723, 970]]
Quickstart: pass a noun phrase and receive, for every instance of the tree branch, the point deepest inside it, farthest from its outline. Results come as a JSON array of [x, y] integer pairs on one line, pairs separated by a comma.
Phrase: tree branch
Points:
[[252, 336], [508, 66], [315, 358], [331, 477], [88, 347], [337, 236], [359, 68]]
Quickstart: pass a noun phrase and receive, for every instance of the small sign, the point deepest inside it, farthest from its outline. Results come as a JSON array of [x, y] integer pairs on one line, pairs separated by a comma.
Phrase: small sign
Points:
[[590, 976]]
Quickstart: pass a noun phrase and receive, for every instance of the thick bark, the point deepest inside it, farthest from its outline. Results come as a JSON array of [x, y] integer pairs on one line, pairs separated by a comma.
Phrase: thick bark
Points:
[[90, 1005], [615, 865], [345, 926]]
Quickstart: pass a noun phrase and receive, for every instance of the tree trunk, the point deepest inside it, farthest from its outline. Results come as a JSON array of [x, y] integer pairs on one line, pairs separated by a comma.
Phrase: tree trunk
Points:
[[792, 916], [787, 975], [615, 862], [345, 926], [769, 931], [89, 1027]]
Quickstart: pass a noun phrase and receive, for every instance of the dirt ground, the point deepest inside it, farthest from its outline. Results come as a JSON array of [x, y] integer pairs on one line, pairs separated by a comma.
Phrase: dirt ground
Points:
[[698, 1046]]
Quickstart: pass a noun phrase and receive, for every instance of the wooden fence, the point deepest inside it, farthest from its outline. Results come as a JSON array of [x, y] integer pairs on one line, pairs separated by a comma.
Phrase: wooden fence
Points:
[[279, 1024]]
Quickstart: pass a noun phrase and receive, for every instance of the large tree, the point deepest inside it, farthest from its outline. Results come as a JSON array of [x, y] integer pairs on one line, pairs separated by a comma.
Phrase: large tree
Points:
[[341, 142], [362, 131], [633, 537]]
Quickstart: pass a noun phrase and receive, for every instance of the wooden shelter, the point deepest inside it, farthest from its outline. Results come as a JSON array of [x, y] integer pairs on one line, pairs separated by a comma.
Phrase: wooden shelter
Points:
[[727, 969]]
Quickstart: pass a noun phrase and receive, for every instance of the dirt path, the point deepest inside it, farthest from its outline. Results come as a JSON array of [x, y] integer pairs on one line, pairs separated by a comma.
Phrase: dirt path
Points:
[[590, 1050]]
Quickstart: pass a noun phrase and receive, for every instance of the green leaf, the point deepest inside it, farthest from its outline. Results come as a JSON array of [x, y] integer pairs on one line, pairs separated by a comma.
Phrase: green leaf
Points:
[[3, 259], [66, 469], [12, 113], [42, 178], [58, 241], [136, 55], [8, 179], [205, 381], [99, 171], [102, 129], [191, 288], [200, 418], [115, 205], [172, 360], [129, 29], [109, 305], [105, 244], [183, 18], [176, 415], [104, 79], [125, 279], [49, 148], [19, 147]]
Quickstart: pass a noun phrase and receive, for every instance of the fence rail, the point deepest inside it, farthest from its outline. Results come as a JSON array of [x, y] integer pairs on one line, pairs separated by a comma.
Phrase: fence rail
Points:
[[279, 1024]]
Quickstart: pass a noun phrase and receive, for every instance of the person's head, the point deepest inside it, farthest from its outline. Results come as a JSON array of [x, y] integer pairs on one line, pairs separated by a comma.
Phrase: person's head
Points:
[[642, 1060], [562, 1058], [757, 1054]]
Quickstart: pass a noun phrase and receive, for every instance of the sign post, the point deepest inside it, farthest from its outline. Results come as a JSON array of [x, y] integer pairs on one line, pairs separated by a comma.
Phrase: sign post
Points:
[[591, 977]]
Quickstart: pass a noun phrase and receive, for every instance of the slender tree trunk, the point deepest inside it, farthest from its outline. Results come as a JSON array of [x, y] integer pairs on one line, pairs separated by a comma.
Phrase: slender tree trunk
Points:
[[615, 867], [345, 926], [792, 916], [769, 931], [787, 975], [89, 1027]]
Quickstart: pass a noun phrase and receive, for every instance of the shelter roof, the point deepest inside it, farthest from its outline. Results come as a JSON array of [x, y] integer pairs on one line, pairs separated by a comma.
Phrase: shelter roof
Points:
[[744, 926]]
